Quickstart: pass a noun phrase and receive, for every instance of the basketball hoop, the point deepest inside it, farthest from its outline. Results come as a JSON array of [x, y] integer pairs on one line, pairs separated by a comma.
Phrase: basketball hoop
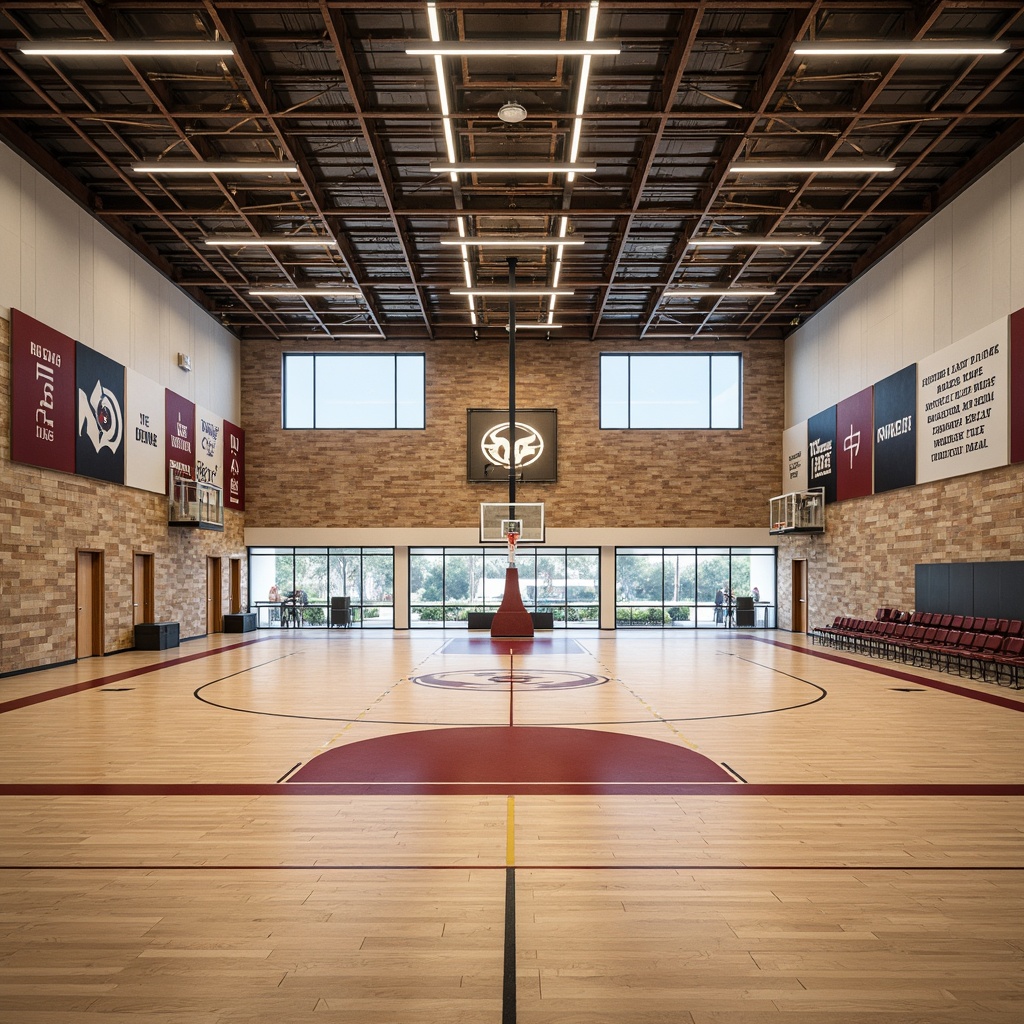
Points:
[[512, 538]]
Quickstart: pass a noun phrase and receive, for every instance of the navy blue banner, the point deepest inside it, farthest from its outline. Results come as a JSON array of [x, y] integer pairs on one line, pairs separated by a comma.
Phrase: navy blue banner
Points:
[[99, 416], [896, 430], [821, 452]]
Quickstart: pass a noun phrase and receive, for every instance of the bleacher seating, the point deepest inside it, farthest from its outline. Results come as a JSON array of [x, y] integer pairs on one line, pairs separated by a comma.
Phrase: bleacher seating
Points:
[[991, 647]]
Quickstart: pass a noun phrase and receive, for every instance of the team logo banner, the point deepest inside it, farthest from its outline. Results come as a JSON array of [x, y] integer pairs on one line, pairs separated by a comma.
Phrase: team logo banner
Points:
[[821, 452], [963, 406], [234, 467], [209, 448], [492, 445], [894, 430], [794, 458], [180, 426], [144, 433], [42, 395], [99, 416], [853, 435]]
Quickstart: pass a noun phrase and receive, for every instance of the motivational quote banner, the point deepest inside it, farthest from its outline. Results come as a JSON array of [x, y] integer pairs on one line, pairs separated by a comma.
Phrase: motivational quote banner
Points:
[[963, 406]]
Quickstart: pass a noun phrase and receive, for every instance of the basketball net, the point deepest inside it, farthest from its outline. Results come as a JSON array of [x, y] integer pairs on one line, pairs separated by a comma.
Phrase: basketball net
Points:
[[512, 539]]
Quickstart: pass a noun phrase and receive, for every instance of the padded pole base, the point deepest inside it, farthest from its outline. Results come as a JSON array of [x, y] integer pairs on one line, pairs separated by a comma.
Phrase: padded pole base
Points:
[[512, 619]]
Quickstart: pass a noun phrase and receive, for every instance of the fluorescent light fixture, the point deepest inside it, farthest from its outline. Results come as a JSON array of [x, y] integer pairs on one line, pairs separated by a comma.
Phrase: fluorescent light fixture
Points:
[[511, 291], [216, 167], [369, 333], [811, 167], [535, 327], [102, 48], [518, 241], [514, 48], [237, 240], [483, 167], [893, 47], [287, 293], [698, 293], [732, 241]]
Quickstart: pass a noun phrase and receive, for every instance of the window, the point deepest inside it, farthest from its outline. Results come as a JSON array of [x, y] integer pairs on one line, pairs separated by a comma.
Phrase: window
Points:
[[676, 391], [446, 584], [366, 576], [688, 587], [351, 391]]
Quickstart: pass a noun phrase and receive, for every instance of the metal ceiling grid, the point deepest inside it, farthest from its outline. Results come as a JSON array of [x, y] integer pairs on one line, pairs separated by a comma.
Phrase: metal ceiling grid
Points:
[[695, 87]]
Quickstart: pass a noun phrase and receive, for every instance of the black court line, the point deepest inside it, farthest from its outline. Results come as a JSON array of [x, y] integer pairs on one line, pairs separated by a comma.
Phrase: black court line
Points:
[[508, 978], [94, 684], [499, 788], [703, 866]]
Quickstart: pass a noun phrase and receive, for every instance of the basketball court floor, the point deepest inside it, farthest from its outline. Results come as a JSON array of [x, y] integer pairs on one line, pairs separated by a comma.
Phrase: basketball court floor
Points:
[[630, 827]]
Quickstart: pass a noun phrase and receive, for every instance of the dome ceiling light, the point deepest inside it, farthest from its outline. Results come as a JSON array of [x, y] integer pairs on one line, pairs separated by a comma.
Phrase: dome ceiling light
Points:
[[512, 112]]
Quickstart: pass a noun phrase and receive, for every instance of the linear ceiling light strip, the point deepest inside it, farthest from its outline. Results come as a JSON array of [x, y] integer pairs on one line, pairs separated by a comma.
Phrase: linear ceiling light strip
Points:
[[216, 167], [515, 48], [898, 48], [449, 144], [104, 48]]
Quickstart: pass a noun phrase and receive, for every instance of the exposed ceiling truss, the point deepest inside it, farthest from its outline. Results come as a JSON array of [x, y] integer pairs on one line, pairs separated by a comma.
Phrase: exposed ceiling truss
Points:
[[695, 87]]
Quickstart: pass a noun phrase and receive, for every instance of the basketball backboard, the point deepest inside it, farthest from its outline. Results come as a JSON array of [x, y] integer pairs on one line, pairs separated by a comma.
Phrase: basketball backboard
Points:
[[498, 519]]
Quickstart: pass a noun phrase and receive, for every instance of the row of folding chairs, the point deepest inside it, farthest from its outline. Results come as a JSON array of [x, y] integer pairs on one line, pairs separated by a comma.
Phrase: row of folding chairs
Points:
[[996, 655]]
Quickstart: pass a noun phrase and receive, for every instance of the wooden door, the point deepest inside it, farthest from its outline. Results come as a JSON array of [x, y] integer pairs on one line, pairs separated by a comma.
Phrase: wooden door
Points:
[[214, 589], [236, 586], [799, 624], [89, 592], [143, 589]]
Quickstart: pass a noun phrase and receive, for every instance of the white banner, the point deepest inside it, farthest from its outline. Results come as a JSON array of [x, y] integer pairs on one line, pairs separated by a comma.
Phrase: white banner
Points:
[[963, 399], [209, 447], [794, 458], [144, 433]]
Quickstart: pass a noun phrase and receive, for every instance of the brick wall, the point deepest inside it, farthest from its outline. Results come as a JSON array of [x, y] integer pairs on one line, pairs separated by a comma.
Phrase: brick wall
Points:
[[45, 517], [648, 478], [866, 558]]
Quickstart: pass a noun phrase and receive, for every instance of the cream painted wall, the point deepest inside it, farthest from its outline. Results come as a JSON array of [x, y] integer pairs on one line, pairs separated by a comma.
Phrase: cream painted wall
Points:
[[63, 267], [958, 272]]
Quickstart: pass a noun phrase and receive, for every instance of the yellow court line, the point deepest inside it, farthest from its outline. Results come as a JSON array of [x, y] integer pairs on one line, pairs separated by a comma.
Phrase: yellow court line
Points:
[[510, 834]]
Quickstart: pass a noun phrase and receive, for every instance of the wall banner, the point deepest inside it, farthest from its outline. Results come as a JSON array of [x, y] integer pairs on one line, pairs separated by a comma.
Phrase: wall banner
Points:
[[1017, 386], [209, 448], [821, 452], [42, 395], [794, 458], [854, 432], [895, 430], [963, 406], [234, 467], [180, 426], [144, 465], [99, 441], [488, 445]]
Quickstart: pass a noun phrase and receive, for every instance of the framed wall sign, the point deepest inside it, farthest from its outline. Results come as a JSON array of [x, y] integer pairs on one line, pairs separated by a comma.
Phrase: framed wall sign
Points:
[[490, 441]]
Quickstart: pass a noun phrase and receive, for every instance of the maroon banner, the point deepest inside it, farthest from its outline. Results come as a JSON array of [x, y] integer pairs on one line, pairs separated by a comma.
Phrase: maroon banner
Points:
[[854, 432], [180, 428], [42, 395], [1017, 386], [234, 467]]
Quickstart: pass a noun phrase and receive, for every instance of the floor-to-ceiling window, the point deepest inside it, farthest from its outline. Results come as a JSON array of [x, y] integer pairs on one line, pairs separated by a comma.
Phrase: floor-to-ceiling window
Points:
[[695, 587], [446, 584], [300, 586]]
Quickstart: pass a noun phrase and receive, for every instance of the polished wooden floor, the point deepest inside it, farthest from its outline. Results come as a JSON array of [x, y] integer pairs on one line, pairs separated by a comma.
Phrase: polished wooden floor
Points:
[[865, 863]]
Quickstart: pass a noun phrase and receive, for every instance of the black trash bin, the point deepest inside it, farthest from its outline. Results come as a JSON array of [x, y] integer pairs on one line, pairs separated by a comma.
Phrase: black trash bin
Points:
[[341, 611]]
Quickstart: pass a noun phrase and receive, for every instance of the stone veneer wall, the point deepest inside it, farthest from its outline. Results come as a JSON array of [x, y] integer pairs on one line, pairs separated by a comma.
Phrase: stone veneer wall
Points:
[[45, 517], [610, 478], [866, 557]]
